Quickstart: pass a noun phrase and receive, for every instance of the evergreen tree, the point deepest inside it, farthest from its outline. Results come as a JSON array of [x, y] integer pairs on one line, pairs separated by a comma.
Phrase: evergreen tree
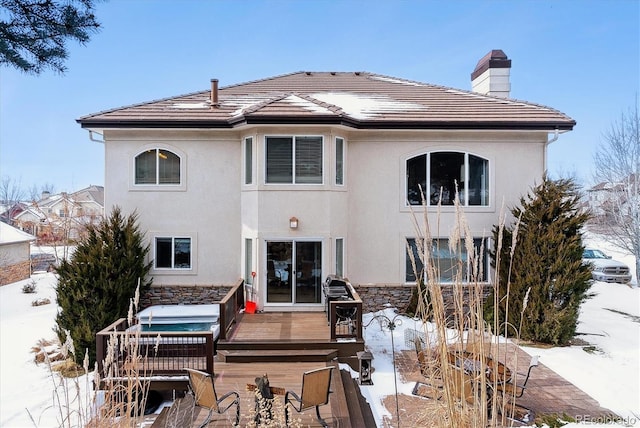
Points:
[[95, 286], [33, 33], [546, 266]]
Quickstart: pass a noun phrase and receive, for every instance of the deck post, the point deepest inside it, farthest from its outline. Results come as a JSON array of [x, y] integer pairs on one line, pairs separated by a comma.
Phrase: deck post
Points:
[[100, 351], [209, 353]]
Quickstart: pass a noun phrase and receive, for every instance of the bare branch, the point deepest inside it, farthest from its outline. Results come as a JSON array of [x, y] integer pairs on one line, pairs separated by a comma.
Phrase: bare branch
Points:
[[618, 172]]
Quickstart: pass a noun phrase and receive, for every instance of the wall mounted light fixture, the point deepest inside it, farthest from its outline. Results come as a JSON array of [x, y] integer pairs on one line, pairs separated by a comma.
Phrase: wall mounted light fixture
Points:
[[293, 223]]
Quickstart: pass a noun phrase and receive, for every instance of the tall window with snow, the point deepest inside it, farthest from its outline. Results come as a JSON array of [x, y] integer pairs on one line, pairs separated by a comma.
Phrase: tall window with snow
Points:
[[438, 174], [294, 160], [157, 167]]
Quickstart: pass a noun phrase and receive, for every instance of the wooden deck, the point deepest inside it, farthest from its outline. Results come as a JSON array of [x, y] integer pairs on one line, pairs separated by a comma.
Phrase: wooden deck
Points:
[[283, 345], [285, 326], [236, 376], [287, 337], [282, 326]]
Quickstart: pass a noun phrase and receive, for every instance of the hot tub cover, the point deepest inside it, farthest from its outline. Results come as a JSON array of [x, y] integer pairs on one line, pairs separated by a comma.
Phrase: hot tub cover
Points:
[[174, 314]]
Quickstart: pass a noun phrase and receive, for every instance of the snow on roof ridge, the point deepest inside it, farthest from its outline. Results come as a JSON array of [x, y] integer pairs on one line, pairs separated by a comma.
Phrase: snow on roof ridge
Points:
[[331, 107], [257, 106]]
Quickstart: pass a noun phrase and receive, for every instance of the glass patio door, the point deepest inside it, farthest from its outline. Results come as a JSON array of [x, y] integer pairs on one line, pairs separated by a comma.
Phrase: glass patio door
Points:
[[294, 272]]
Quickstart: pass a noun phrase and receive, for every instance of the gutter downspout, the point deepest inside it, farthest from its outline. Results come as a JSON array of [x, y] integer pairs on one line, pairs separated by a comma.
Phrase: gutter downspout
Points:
[[91, 137], [95, 139], [554, 138]]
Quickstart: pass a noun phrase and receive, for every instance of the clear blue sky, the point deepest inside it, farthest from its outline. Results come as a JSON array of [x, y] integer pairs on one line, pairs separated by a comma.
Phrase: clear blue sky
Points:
[[580, 57]]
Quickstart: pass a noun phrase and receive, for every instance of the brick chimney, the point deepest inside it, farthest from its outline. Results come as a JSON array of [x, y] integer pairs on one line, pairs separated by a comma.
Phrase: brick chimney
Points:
[[491, 76]]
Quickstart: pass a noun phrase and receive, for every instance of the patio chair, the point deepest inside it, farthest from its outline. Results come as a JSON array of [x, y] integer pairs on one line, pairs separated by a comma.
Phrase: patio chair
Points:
[[478, 342], [431, 386], [204, 391], [315, 393], [181, 413], [512, 388]]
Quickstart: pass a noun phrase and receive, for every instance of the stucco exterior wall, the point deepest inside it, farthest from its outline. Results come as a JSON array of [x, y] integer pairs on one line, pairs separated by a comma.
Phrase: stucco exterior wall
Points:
[[206, 208], [379, 220], [219, 211]]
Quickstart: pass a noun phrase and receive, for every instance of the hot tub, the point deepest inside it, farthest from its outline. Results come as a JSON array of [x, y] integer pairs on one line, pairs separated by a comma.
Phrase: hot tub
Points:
[[181, 318]]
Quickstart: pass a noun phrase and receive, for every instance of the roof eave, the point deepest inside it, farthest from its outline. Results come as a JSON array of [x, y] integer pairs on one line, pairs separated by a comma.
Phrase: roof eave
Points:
[[328, 120], [155, 124]]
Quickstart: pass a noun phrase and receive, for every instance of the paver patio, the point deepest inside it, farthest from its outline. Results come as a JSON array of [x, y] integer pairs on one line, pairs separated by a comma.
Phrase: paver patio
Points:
[[547, 392]]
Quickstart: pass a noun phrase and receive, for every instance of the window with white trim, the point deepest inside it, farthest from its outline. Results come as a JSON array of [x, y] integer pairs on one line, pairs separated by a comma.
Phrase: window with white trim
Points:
[[340, 256], [438, 174], [157, 167], [172, 252], [447, 263], [248, 160], [339, 161], [248, 261], [294, 160]]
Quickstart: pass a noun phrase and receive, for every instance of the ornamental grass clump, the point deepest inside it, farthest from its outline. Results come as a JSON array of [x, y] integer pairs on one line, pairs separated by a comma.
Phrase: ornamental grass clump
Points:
[[114, 398], [453, 316], [72, 396], [124, 380]]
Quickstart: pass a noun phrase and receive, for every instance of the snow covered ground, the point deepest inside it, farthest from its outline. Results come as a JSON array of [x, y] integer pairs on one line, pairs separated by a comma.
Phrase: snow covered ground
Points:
[[610, 374]]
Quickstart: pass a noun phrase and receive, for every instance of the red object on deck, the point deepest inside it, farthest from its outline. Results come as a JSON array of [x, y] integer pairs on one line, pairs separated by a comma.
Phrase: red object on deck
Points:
[[250, 307]]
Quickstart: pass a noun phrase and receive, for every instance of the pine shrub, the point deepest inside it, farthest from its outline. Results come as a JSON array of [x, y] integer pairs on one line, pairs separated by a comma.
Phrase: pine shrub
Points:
[[546, 280], [95, 286]]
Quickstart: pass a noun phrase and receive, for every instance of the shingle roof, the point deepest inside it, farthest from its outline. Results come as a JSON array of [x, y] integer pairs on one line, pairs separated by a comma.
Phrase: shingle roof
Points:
[[359, 100]]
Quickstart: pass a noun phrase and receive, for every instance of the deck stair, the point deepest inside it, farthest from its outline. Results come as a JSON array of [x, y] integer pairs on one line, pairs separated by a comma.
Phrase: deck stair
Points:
[[260, 354]]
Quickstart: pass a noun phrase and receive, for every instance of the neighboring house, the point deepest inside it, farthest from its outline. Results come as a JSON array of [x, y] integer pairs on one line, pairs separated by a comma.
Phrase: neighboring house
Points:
[[15, 253], [599, 197], [303, 175], [9, 211], [63, 216], [607, 199]]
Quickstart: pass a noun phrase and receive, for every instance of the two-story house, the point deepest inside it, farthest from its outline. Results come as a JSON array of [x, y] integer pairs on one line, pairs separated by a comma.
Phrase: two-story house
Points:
[[298, 176], [63, 216]]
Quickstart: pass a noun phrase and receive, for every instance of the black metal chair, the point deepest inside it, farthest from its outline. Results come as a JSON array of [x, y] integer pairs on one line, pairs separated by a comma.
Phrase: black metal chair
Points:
[[512, 388]]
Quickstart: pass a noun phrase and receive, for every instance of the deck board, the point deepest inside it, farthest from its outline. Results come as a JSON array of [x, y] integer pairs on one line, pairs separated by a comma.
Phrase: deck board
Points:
[[288, 376], [282, 326]]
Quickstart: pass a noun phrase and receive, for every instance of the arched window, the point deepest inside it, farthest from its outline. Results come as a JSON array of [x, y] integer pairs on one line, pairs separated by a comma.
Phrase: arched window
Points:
[[438, 174], [157, 167]]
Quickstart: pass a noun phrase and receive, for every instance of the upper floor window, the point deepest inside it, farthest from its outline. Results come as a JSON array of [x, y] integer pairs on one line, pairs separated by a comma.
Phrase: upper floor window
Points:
[[438, 173], [295, 160], [248, 160], [448, 263], [157, 167], [339, 161], [173, 253]]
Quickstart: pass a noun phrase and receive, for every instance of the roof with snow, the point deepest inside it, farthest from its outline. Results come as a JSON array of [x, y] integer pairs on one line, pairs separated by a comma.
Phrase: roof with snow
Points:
[[358, 100], [11, 235]]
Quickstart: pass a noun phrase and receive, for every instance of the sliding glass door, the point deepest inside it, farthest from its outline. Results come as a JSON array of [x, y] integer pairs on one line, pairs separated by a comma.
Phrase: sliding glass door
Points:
[[294, 272]]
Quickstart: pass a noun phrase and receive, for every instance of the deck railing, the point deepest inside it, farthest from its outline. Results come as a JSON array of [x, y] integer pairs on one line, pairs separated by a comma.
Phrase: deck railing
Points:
[[165, 353], [345, 317], [230, 308], [148, 354]]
